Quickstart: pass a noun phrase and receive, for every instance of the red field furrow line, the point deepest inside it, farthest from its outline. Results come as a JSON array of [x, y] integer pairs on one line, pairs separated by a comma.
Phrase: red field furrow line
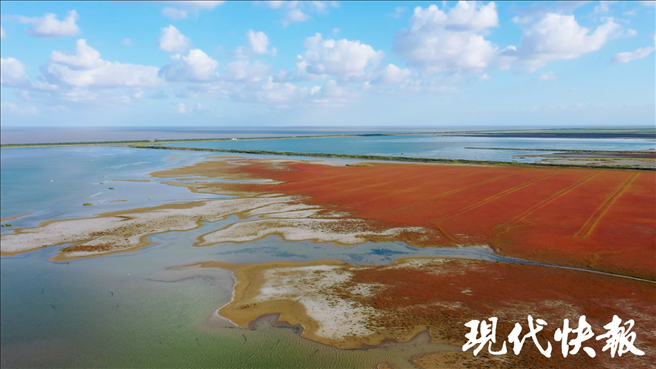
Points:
[[506, 226], [313, 179], [383, 184], [446, 234], [365, 179], [592, 221], [411, 189], [494, 197], [360, 178], [443, 194]]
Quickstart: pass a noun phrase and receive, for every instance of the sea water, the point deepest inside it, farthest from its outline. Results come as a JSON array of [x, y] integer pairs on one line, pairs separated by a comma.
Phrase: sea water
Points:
[[428, 146], [132, 309]]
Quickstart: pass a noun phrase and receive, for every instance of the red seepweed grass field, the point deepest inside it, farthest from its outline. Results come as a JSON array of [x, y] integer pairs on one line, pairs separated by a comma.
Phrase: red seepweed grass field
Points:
[[592, 218]]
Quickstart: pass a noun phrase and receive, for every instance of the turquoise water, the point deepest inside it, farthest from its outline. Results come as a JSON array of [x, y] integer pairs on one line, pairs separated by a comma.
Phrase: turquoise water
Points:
[[427, 146], [56, 181], [132, 309]]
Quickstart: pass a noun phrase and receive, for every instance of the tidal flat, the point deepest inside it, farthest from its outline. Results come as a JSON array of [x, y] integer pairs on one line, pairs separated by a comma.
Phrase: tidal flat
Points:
[[383, 229]]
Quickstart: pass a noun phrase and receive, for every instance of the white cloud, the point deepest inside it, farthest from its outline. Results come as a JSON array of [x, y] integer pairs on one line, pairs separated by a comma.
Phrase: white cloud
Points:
[[85, 57], [183, 8], [85, 68], [171, 40], [648, 3], [631, 56], [2, 32], [398, 12], [341, 58], [483, 77], [198, 5], [603, 7], [539, 9], [295, 15], [439, 41], [269, 92], [631, 13], [393, 74], [50, 26], [558, 37], [12, 73], [9, 107], [174, 13], [245, 71], [258, 43], [181, 108], [126, 42], [299, 11], [196, 66], [550, 76]]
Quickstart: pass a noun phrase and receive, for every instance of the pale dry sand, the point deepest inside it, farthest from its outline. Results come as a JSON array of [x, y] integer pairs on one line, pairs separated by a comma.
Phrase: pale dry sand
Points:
[[320, 296]]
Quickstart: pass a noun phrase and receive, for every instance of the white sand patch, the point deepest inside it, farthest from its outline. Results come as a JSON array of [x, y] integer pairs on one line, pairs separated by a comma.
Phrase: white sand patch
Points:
[[337, 318], [293, 214], [343, 231], [279, 208], [124, 231]]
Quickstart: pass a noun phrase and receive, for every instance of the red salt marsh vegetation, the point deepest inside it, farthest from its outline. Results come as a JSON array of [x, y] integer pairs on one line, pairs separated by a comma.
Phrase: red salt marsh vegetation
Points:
[[592, 218], [399, 300]]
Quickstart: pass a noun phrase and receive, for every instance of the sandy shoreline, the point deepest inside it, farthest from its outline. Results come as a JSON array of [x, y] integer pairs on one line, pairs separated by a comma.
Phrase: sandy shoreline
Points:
[[15, 217], [351, 307]]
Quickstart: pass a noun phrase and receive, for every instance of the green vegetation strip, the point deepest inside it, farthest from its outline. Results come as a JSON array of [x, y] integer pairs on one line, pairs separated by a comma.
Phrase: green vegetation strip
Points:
[[564, 150], [385, 158]]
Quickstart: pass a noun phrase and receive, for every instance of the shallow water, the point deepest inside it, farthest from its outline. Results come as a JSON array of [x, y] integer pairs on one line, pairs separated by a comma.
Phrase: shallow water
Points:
[[427, 146], [132, 310], [56, 181]]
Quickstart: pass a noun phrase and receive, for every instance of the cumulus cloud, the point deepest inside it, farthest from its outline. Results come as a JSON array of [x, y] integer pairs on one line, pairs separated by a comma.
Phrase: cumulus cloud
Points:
[[196, 66], [50, 26], [439, 41], [85, 68], [539, 9], [126, 42], [174, 13], [10, 107], [603, 7], [341, 58], [295, 15], [12, 73], [258, 43], [182, 9], [558, 37], [245, 71], [633, 55], [393, 74], [299, 11], [173, 41], [550, 76]]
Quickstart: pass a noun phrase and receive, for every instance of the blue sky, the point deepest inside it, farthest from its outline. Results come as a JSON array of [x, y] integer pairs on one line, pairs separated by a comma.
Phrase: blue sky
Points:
[[232, 64]]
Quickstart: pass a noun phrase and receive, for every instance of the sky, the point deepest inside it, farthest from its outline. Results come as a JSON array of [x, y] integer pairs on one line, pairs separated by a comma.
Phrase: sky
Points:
[[288, 63]]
